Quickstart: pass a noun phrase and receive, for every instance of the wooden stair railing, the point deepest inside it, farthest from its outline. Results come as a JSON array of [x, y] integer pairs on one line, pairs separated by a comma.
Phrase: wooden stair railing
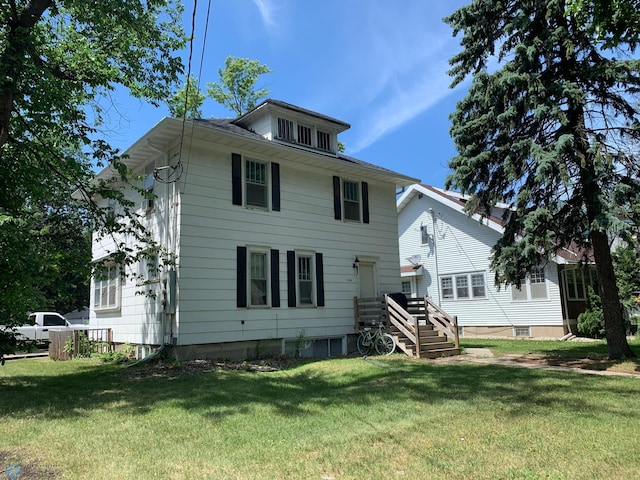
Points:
[[442, 321], [398, 317]]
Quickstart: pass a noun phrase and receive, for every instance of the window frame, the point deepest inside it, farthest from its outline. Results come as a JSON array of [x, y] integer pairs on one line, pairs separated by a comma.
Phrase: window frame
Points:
[[246, 183], [108, 281], [311, 280], [265, 253], [356, 187], [591, 281], [460, 283]]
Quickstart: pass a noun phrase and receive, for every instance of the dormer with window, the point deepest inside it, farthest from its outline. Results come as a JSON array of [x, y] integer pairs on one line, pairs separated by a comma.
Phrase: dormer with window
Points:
[[288, 124]]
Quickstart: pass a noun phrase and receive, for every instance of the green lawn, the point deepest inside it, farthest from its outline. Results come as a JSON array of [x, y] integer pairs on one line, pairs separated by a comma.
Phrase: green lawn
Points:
[[387, 418]]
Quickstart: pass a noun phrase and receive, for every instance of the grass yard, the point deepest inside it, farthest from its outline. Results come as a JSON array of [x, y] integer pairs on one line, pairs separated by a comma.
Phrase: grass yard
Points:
[[389, 418]]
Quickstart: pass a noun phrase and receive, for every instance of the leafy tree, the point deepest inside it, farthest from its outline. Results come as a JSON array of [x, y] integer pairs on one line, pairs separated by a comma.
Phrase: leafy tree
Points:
[[553, 132], [59, 61], [613, 21], [236, 86], [189, 95]]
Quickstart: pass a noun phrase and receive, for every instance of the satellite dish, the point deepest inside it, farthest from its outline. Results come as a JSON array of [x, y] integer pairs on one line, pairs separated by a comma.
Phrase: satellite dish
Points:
[[414, 259]]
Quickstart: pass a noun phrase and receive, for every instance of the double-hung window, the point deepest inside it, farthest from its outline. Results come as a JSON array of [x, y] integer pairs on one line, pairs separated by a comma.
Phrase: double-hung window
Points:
[[258, 278], [148, 186], [106, 288], [351, 199], [305, 279], [256, 184], [463, 286]]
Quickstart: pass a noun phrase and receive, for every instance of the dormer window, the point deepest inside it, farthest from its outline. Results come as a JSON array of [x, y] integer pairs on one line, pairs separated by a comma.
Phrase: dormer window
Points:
[[304, 135], [285, 130], [324, 141]]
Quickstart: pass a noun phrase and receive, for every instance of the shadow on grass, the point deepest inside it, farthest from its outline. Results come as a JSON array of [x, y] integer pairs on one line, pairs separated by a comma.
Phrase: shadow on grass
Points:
[[307, 389]]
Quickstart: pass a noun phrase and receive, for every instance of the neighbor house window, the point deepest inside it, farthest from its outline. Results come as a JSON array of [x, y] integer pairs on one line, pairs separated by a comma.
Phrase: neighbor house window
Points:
[[406, 287], [467, 286], [256, 184], [533, 287], [106, 288], [285, 129], [446, 286], [351, 196], [258, 278], [148, 269], [424, 234], [577, 281]]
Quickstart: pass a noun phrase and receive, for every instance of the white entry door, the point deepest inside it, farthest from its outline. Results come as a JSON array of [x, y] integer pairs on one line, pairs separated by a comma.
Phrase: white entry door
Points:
[[368, 285]]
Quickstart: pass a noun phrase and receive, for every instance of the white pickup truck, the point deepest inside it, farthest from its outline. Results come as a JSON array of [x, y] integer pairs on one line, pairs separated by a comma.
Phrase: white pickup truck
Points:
[[39, 324]]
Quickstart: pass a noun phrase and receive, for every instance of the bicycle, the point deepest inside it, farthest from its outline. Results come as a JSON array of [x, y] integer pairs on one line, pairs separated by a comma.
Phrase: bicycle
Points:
[[383, 342]]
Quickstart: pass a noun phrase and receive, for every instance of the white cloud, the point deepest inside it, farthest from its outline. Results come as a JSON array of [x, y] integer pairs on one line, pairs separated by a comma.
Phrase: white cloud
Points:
[[267, 9]]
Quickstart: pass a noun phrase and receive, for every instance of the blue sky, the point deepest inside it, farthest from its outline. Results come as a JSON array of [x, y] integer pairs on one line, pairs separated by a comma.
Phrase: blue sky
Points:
[[379, 65]]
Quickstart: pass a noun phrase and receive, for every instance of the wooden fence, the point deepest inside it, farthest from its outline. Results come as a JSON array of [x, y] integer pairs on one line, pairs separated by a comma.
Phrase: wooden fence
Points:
[[66, 344]]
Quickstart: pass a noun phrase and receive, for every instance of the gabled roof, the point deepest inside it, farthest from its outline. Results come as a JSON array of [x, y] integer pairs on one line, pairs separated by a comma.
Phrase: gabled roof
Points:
[[457, 201]]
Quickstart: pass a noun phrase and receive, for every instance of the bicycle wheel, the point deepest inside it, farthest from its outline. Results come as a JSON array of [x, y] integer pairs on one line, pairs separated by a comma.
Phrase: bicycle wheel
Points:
[[363, 344], [385, 344]]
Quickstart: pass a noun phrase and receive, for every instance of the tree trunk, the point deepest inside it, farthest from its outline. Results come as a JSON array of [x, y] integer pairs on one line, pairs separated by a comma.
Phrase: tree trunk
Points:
[[614, 326]]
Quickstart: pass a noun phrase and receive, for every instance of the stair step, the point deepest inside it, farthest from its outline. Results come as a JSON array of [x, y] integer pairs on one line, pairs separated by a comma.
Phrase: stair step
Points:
[[444, 352]]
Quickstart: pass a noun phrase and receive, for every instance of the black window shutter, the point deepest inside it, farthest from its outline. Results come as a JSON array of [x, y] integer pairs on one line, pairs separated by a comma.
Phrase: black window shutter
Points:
[[365, 202], [241, 272], [275, 278], [236, 179], [275, 187], [319, 280], [337, 204], [291, 278]]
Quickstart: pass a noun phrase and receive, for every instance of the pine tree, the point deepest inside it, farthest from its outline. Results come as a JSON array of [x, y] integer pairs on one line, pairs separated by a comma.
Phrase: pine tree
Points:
[[550, 125]]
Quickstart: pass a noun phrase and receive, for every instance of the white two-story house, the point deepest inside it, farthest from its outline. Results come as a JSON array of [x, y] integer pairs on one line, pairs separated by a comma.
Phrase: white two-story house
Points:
[[273, 231], [445, 255]]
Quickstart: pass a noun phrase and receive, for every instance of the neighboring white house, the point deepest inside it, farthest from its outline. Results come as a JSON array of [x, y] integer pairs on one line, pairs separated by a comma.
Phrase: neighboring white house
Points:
[[266, 220], [445, 254]]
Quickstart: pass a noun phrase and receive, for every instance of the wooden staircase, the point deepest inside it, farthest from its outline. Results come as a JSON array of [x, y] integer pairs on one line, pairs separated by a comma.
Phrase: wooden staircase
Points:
[[422, 329]]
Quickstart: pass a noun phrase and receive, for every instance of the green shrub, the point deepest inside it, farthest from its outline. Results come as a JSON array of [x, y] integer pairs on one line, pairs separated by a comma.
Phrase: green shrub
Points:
[[124, 355], [591, 321]]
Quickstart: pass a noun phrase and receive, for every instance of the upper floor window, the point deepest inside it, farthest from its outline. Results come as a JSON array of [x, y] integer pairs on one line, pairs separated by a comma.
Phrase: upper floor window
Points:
[[533, 287], [106, 288], [463, 286], [424, 234], [351, 198], [254, 183], [285, 130], [148, 186]]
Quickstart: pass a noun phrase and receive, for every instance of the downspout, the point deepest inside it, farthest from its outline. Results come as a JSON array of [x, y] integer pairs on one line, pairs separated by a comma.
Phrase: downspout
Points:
[[167, 215], [435, 253]]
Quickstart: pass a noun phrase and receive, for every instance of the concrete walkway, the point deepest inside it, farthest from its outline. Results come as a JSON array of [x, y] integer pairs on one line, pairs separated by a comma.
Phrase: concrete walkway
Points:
[[485, 356]]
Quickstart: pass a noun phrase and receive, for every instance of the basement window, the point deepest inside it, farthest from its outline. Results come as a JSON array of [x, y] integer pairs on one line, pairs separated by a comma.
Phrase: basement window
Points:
[[521, 331]]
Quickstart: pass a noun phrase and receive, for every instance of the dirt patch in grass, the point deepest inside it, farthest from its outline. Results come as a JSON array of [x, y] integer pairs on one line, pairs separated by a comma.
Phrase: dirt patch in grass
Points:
[[20, 466], [168, 369], [628, 366]]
